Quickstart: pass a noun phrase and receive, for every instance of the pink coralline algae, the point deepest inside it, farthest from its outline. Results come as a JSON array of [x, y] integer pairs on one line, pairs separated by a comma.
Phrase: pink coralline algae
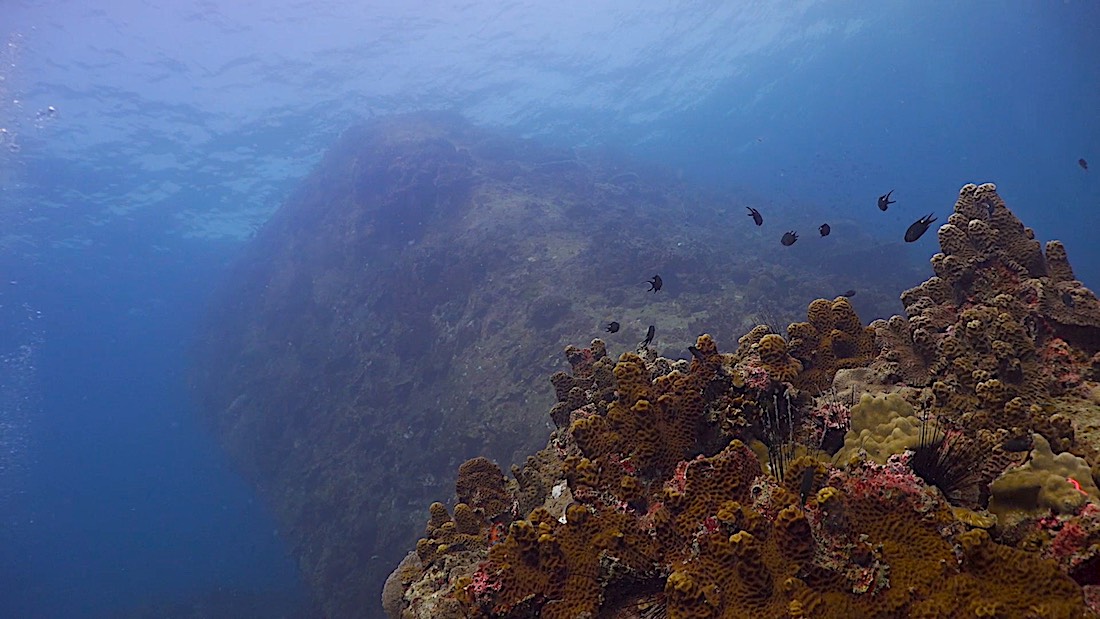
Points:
[[483, 582], [1076, 543], [832, 416], [892, 481], [756, 377], [628, 466], [1068, 541], [648, 521], [1092, 597], [679, 477], [1060, 365]]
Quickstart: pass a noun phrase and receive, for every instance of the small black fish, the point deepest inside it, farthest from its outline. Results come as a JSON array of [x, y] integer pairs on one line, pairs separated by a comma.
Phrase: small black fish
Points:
[[848, 293], [789, 238], [756, 217], [824, 229], [1081, 162], [695, 352], [612, 327], [806, 485], [918, 228], [1067, 299], [648, 337], [1020, 443], [655, 283], [884, 201]]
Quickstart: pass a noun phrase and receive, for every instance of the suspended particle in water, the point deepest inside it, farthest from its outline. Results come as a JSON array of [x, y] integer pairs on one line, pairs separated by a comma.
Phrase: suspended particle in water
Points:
[[45, 116], [19, 402]]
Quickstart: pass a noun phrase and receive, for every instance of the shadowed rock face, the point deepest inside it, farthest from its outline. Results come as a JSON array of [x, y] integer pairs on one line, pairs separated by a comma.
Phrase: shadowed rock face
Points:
[[403, 310]]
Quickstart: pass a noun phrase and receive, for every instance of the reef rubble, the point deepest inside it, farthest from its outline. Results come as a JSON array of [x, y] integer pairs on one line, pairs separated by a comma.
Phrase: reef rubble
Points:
[[941, 463]]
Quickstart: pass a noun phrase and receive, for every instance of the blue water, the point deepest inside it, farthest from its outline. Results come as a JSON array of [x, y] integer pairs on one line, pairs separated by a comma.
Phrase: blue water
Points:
[[178, 127]]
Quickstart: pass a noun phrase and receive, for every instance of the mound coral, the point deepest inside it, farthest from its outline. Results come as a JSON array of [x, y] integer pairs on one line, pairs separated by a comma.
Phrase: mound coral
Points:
[[1046, 483], [882, 426]]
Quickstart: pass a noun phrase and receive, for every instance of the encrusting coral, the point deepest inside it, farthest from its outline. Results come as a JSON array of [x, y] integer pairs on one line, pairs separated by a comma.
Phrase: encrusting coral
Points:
[[673, 514]]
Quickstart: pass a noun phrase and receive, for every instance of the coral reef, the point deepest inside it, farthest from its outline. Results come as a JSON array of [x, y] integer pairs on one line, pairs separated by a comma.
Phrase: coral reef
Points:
[[722, 539], [704, 488], [1003, 334], [399, 314], [348, 386]]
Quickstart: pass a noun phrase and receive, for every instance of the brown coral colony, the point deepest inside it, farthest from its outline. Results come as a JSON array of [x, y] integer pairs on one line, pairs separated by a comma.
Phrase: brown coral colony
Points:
[[716, 486]]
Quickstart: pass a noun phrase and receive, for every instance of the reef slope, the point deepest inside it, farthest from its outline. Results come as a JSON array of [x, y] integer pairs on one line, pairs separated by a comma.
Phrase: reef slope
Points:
[[401, 311], [942, 463]]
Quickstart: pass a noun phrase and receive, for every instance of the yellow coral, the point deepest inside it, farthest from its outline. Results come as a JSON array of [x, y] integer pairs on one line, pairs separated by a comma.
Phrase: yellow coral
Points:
[[1015, 573], [796, 540], [974, 519], [467, 521], [446, 535], [882, 426], [747, 343], [437, 515], [653, 432], [632, 379]]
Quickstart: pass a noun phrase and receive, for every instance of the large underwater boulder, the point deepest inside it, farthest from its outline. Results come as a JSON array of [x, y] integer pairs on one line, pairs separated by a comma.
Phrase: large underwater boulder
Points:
[[402, 312]]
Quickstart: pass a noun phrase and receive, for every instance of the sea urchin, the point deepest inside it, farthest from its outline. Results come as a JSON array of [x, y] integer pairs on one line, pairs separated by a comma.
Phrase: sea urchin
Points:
[[949, 461]]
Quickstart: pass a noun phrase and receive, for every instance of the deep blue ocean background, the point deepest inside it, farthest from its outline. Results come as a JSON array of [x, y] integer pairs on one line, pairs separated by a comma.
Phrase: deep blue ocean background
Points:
[[143, 142]]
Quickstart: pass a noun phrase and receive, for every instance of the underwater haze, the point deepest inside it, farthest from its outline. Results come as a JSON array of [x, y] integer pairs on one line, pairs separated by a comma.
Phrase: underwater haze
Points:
[[144, 142]]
